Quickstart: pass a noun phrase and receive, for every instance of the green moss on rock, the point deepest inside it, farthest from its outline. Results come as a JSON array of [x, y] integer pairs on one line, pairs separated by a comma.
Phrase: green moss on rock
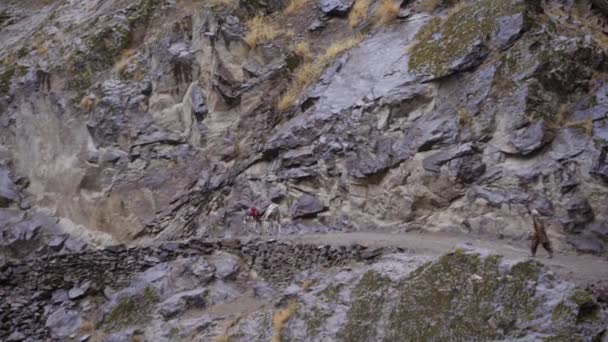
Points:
[[588, 309], [463, 297], [5, 79], [132, 310], [366, 309], [440, 44]]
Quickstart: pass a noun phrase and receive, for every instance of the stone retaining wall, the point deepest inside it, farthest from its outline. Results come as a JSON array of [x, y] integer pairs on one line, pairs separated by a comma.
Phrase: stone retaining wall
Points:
[[26, 287]]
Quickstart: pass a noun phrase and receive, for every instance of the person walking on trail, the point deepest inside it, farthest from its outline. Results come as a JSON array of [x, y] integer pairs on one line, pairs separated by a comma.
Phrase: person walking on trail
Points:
[[253, 214], [539, 236]]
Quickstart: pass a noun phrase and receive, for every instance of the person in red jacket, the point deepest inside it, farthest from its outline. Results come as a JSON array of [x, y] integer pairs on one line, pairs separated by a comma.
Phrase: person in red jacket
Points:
[[253, 214]]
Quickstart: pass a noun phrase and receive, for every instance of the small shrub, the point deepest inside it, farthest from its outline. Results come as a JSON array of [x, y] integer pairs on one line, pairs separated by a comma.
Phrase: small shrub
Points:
[[294, 6], [359, 12], [387, 11], [302, 50], [261, 30], [281, 317], [464, 118]]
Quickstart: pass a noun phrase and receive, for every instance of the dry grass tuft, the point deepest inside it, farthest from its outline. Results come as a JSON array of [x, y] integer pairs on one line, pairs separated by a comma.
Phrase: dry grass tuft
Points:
[[464, 118], [281, 317], [585, 125], [294, 6], [430, 5], [359, 12], [221, 3], [302, 50], [307, 284], [42, 47], [225, 337], [563, 115], [88, 102], [261, 30], [126, 57], [310, 71], [338, 47], [387, 11]]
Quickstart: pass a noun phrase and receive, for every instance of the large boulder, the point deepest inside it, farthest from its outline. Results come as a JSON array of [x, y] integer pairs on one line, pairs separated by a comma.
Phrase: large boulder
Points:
[[307, 205], [579, 214], [531, 138]]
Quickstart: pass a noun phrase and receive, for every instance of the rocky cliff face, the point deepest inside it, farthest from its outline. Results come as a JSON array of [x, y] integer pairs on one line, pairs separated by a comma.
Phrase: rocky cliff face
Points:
[[139, 121], [262, 291]]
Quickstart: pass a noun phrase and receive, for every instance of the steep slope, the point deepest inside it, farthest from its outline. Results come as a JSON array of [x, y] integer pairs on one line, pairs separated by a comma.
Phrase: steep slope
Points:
[[148, 122], [237, 291], [162, 118]]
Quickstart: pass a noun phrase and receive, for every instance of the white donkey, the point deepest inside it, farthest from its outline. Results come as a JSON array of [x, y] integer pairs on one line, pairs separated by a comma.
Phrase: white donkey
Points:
[[272, 219]]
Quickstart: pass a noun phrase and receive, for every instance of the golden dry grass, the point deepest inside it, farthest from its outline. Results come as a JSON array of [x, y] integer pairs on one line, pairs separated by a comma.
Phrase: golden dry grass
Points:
[[281, 317], [87, 103], [563, 115], [302, 50], [307, 284], [308, 72], [261, 30], [126, 57], [430, 5], [225, 337], [464, 118], [42, 47], [387, 12], [585, 125], [359, 12], [338, 47], [294, 6]]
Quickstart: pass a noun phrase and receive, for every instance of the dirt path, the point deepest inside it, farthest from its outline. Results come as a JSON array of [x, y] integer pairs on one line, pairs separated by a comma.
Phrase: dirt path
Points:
[[580, 269]]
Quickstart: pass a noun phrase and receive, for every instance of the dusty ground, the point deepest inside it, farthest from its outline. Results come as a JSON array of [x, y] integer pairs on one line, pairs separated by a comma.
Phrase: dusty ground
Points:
[[580, 269]]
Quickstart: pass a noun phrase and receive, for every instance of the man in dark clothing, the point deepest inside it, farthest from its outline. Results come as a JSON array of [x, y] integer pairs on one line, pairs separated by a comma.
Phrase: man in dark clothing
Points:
[[540, 235]]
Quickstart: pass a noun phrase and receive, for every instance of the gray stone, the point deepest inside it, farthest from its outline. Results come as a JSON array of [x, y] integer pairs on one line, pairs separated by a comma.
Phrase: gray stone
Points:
[[264, 290], [15, 337], [530, 139], [335, 7], [579, 214], [306, 206], [226, 265], [180, 302], [434, 162], [302, 156], [8, 192], [600, 166], [588, 245], [63, 323], [600, 229], [59, 296], [203, 270], [316, 26], [509, 29], [467, 169]]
